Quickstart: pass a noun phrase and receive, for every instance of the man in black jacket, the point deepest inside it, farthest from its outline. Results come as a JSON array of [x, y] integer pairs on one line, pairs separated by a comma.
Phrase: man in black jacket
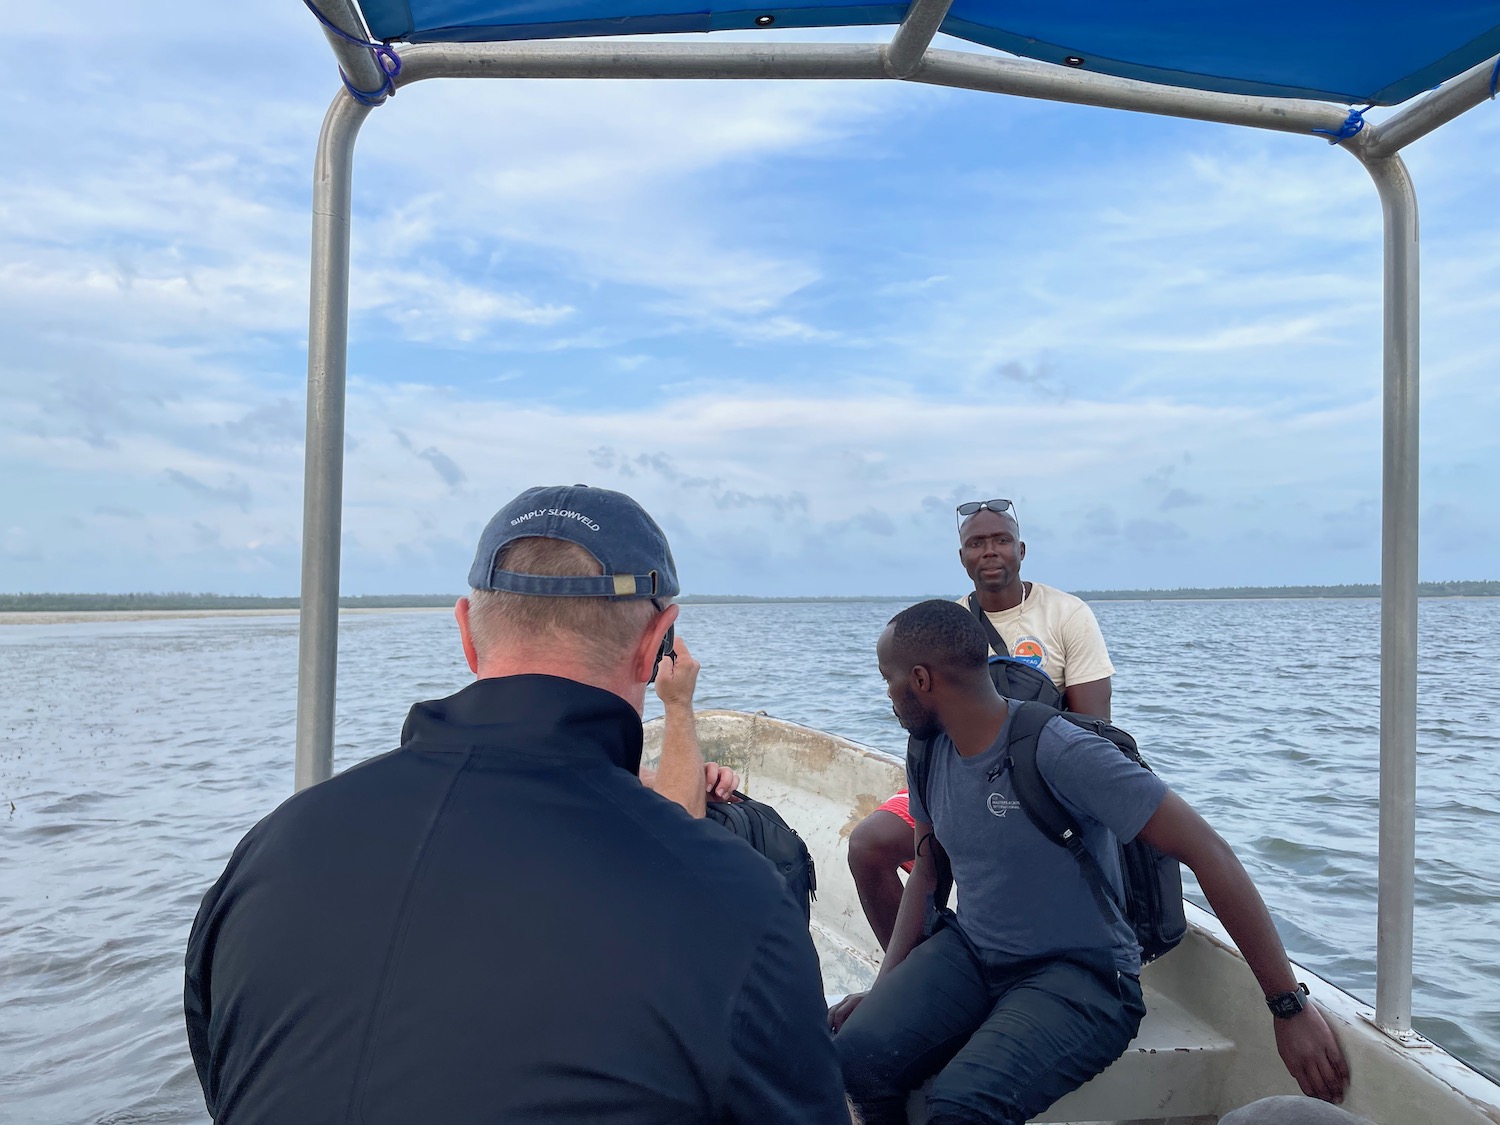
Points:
[[497, 921]]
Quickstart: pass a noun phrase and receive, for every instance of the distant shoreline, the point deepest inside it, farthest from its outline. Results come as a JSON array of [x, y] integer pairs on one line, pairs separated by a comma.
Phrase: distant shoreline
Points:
[[53, 608], [1479, 589], [77, 616]]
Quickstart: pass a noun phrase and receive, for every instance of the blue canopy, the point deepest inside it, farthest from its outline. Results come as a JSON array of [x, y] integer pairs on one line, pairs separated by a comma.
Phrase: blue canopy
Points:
[[1350, 51]]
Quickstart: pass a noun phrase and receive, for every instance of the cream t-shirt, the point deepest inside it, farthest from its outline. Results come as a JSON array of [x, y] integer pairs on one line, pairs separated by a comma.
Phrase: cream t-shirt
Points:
[[1056, 632]]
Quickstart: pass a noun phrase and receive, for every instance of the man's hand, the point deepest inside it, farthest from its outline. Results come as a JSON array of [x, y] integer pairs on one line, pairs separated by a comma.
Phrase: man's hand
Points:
[[677, 678], [681, 775], [719, 782], [843, 1010], [1312, 1055]]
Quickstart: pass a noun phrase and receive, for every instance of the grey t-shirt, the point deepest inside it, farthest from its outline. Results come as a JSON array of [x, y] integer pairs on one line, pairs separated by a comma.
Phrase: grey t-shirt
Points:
[[1020, 894]]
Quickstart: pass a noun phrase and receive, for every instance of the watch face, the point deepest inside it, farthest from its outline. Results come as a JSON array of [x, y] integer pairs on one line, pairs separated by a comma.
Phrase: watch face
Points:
[[1285, 1005]]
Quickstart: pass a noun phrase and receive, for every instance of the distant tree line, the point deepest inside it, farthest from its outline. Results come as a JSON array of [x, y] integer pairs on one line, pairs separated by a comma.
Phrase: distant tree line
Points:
[[77, 603], [732, 599], [1349, 590]]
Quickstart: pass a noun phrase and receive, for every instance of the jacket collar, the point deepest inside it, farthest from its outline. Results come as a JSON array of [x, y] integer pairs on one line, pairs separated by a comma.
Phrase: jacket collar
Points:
[[532, 715]]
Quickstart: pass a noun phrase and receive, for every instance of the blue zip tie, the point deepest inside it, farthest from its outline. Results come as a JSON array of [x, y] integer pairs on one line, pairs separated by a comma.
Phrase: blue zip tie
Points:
[[1351, 126], [385, 57]]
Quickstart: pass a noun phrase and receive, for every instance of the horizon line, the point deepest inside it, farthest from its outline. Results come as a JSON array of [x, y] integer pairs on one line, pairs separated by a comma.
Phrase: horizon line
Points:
[[44, 602]]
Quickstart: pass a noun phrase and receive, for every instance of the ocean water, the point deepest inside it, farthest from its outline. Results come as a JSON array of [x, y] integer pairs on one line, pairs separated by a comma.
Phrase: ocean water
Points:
[[133, 756]]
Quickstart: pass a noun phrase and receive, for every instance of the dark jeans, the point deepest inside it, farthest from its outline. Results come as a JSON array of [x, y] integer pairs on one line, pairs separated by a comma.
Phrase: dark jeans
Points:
[[1006, 1038]]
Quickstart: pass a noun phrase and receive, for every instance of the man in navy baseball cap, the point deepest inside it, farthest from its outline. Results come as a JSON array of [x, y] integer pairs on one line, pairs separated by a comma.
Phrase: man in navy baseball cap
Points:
[[498, 921]]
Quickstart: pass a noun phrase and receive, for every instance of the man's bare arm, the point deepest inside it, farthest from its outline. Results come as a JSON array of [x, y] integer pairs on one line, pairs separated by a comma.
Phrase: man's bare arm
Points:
[[907, 935], [921, 884], [1306, 1043], [1091, 698], [680, 775]]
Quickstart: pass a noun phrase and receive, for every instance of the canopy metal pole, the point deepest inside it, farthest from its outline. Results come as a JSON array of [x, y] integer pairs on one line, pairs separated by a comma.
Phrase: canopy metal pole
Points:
[[1398, 600], [323, 479], [354, 60], [959, 69], [1433, 110], [914, 36]]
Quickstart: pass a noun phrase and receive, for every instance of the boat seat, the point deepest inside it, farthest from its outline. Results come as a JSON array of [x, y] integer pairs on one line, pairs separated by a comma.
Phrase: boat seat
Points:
[[1174, 1068]]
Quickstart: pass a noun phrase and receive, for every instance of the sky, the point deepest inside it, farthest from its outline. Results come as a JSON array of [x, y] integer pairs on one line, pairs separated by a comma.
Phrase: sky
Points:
[[799, 322]]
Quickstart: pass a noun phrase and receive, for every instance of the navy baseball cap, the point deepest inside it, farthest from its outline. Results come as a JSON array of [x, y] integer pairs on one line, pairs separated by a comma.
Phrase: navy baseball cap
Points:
[[609, 525]]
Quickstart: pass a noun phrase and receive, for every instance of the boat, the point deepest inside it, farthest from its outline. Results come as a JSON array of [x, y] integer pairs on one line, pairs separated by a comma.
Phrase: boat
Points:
[[1205, 1047]]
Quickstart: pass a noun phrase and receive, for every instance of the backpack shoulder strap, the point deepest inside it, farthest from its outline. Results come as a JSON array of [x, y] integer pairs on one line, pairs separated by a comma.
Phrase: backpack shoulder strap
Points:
[[919, 754], [1042, 808], [997, 642]]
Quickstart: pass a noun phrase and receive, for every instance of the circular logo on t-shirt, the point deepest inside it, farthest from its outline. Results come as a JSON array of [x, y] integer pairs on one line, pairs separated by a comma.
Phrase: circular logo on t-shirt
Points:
[[1029, 650], [1000, 804]]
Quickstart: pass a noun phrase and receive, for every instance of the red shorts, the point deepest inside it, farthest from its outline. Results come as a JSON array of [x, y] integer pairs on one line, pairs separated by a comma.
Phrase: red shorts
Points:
[[900, 805]]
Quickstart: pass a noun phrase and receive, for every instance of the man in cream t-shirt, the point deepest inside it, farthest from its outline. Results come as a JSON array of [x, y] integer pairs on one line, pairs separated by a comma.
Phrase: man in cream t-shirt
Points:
[[1043, 626]]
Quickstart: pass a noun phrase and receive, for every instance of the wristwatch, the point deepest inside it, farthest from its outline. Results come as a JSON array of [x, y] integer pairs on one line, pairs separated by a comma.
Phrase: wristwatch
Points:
[[1285, 1005]]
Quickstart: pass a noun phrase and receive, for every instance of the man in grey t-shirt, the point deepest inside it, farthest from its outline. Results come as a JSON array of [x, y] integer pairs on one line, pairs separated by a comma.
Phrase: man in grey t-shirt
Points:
[[1031, 990], [974, 803]]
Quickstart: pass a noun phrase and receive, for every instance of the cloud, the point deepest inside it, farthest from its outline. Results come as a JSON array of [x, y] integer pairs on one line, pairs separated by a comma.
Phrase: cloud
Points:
[[628, 465], [1153, 535], [1099, 522], [781, 505], [1449, 528], [444, 466], [274, 423], [1160, 478], [872, 522], [913, 286], [722, 499], [869, 464], [429, 308], [1181, 498], [948, 504], [618, 186], [1262, 334], [1352, 528], [1039, 377], [234, 491]]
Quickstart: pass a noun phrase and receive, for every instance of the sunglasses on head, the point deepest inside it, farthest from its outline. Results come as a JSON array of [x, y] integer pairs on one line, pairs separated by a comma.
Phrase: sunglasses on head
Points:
[[974, 507]]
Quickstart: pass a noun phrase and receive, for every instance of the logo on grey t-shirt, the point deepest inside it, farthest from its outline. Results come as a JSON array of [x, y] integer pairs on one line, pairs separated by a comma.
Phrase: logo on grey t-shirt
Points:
[[1000, 805]]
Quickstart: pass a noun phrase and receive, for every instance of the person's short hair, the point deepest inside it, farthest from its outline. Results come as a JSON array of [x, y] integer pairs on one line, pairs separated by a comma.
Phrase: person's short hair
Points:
[[940, 634], [602, 629]]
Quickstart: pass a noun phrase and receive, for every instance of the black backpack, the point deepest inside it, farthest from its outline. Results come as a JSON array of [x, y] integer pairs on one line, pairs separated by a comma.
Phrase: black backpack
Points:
[[1152, 879], [761, 826], [1014, 678]]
